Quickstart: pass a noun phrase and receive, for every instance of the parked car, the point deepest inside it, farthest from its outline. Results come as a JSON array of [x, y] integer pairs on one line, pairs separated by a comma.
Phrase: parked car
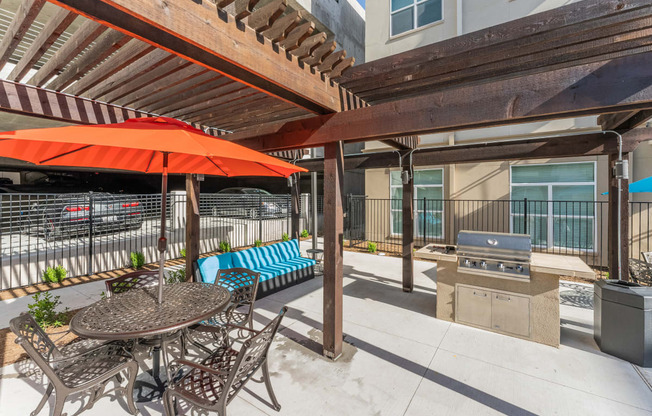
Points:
[[71, 215], [249, 203]]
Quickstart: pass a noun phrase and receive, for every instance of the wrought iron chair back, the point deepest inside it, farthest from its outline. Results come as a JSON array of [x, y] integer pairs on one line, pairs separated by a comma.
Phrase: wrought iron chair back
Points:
[[640, 272], [74, 371], [647, 255], [36, 343], [252, 356], [214, 383], [243, 285], [130, 281]]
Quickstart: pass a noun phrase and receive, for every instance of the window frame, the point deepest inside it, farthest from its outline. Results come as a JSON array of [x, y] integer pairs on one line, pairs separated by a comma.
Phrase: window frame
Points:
[[550, 214], [415, 27], [416, 208]]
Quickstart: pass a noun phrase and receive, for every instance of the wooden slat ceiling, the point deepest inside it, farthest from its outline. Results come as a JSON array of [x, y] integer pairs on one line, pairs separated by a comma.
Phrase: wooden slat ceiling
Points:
[[47, 46], [587, 58]]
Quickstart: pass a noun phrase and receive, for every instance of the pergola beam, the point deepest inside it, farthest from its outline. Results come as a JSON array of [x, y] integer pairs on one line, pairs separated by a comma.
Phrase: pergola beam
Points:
[[403, 143], [585, 144], [559, 37], [132, 52], [39, 102], [25, 15], [46, 38], [84, 36], [106, 45], [613, 85], [212, 38], [625, 120]]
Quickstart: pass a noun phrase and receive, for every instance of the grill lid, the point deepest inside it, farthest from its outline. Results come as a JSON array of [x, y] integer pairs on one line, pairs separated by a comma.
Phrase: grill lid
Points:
[[494, 243]]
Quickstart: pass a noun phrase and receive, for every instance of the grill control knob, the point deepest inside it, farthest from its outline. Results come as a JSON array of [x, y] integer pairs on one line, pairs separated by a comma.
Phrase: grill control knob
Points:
[[501, 267], [519, 268], [467, 262], [483, 264]]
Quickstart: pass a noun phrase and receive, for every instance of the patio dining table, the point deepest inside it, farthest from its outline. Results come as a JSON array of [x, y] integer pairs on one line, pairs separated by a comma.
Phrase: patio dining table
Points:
[[137, 314]]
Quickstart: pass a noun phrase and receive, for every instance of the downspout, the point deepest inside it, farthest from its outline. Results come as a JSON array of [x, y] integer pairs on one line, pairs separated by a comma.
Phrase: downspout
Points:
[[621, 171]]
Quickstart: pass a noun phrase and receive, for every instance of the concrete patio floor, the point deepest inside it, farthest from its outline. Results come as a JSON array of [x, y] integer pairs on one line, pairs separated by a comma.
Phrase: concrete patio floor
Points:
[[398, 358]]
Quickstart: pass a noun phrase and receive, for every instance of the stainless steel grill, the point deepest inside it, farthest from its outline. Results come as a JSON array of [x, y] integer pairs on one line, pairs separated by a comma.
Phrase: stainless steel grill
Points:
[[502, 255]]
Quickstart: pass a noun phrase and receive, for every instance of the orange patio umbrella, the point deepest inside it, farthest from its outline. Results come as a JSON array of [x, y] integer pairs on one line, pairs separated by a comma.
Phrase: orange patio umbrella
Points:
[[151, 145]]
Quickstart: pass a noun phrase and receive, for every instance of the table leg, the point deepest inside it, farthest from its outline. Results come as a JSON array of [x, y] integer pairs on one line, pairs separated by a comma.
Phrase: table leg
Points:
[[166, 362], [156, 361]]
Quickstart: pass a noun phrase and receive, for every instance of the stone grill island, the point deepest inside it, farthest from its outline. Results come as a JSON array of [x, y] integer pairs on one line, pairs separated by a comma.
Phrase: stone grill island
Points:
[[527, 308]]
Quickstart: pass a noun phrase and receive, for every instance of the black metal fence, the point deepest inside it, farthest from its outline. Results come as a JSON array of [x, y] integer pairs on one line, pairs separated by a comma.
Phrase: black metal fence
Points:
[[559, 227], [95, 232]]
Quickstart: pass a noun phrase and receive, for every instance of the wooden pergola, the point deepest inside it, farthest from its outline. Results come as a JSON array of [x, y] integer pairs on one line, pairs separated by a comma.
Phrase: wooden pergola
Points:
[[261, 76]]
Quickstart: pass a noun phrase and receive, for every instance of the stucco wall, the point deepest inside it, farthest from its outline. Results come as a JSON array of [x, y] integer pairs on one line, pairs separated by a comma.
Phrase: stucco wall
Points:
[[475, 15], [344, 18]]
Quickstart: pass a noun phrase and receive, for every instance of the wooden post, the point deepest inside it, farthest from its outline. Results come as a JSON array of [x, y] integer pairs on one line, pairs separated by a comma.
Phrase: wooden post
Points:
[[192, 225], [296, 207], [333, 249], [313, 207], [614, 244], [408, 232]]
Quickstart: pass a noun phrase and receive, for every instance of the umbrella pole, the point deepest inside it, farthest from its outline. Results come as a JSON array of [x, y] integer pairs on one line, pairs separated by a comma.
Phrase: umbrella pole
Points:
[[162, 241]]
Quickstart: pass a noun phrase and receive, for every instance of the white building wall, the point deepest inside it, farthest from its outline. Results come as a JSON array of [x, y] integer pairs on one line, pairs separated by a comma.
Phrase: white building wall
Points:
[[460, 17]]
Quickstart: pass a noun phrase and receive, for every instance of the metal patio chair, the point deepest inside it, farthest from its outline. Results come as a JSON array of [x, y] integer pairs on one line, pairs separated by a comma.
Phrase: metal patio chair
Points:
[[243, 286], [212, 384], [133, 280], [140, 280], [640, 272], [73, 369], [647, 256]]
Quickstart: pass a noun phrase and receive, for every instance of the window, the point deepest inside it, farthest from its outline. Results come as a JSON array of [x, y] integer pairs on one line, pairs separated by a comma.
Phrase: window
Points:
[[560, 208], [428, 184], [406, 15]]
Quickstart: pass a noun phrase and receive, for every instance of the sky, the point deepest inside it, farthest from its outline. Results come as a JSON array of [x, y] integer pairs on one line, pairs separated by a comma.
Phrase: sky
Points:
[[361, 2]]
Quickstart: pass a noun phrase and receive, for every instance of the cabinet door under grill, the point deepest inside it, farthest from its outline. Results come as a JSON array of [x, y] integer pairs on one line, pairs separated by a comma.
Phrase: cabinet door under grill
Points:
[[510, 314], [474, 306]]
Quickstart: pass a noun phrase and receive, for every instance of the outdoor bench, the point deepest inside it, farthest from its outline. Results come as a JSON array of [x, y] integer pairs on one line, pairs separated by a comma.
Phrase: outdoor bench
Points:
[[280, 266]]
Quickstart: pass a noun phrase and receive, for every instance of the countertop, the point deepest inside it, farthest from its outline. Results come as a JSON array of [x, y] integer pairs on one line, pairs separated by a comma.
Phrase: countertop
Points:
[[540, 262]]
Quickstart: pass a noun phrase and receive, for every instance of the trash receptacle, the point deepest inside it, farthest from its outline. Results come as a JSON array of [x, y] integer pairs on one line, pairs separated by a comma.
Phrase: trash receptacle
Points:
[[623, 320]]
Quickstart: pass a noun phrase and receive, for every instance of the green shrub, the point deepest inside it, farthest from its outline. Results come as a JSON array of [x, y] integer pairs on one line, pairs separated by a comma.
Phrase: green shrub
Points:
[[60, 273], [304, 234], [54, 274], [372, 247], [175, 276], [225, 247], [258, 243], [137, 259], [49, 275], [183, 253], [43, 310], [285, 237]]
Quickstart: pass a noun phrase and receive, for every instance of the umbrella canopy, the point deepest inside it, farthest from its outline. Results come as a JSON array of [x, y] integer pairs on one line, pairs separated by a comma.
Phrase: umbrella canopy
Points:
[[152, 145], [139, 145], [644, 185]]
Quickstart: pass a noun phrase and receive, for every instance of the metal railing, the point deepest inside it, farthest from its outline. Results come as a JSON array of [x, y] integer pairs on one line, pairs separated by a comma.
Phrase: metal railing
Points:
[[90, 233], [96, 232], [576, 228]]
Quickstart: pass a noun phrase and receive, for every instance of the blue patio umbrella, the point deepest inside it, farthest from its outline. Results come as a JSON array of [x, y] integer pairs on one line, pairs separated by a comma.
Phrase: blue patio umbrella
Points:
[[644, 185]]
